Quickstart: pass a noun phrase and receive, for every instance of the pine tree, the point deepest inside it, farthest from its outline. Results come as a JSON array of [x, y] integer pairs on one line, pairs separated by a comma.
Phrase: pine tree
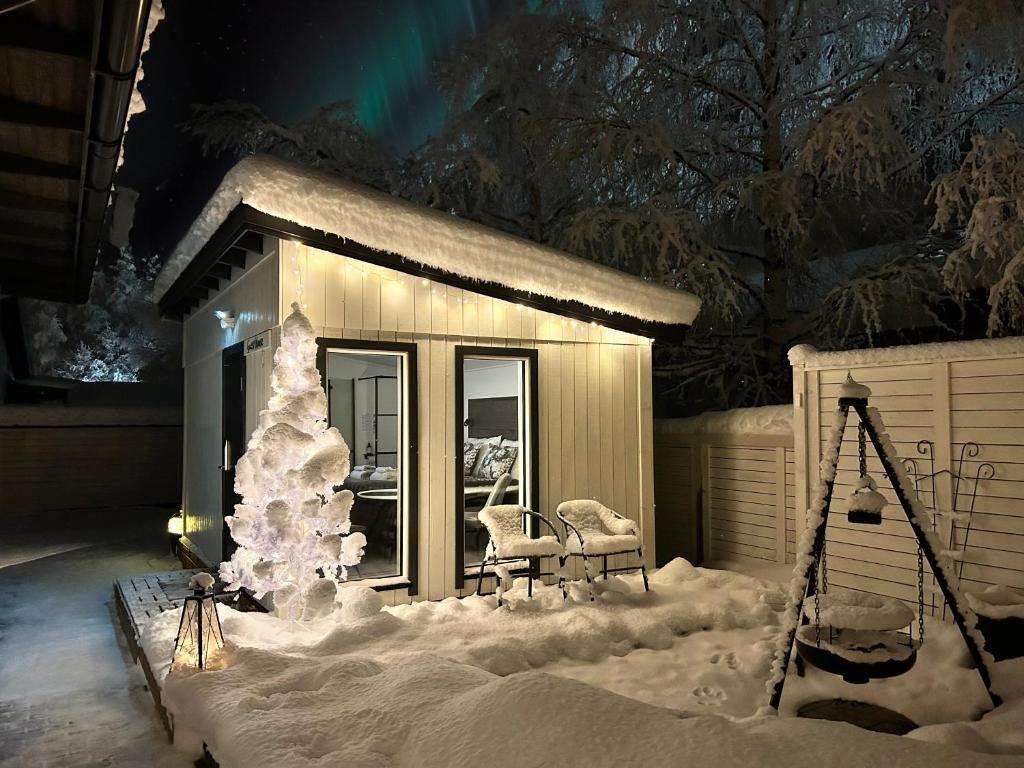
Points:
[[292, 527]]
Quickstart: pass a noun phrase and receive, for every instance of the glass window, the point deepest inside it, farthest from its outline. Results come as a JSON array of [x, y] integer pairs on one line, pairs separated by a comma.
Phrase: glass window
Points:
[[367, 397], [495, 445]]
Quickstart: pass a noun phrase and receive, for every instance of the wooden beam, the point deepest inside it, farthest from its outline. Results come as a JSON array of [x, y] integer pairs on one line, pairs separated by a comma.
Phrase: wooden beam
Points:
[[234, 257], [19, 230], [43, 38], [33, 256], [15, 201], [221, 271], [250, 241], [28, 166], [17, 112]]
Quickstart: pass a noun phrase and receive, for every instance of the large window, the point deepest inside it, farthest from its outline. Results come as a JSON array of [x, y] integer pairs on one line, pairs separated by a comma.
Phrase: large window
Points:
[[495, 412], [371, 397]]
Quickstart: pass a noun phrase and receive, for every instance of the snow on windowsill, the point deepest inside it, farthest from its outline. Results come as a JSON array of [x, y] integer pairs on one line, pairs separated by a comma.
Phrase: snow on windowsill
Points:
[[327, 203]]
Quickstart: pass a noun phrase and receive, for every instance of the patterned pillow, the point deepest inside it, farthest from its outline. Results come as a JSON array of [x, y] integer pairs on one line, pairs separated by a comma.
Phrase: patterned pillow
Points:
[[469, 454], [498, 461]]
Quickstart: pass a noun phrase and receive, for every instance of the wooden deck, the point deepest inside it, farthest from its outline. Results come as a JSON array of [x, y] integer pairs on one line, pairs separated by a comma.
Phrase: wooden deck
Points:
[[139, 599]]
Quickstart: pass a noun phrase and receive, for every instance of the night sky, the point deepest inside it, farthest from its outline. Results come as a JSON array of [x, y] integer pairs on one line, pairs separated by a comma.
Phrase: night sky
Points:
[[288, 59]]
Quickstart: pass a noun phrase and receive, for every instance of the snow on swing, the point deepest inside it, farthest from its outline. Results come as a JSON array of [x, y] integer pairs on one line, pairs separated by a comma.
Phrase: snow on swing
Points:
[[292, 527]]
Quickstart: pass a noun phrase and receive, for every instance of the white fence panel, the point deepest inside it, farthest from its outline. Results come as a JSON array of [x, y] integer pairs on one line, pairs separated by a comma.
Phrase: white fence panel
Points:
[[951, 395]]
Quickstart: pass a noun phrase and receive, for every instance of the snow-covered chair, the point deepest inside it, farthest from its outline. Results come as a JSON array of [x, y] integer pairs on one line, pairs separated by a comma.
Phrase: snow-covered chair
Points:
[[509, 542], [593, 530]]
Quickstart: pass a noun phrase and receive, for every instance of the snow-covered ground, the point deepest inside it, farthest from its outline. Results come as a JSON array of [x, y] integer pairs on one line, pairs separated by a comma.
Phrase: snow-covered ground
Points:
[[70, 695], [675, 676]]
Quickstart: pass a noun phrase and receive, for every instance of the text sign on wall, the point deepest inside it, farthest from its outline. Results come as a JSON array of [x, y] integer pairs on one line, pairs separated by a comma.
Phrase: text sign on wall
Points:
[[257, 343]]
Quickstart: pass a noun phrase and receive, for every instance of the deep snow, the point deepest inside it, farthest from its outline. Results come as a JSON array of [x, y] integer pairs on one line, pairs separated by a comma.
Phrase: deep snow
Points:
[[632, 679]]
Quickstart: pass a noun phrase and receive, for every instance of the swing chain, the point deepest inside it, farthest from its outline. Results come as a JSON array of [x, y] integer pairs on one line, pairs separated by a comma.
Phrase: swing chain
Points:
[[920, 595], [821, 577], [862, 458]]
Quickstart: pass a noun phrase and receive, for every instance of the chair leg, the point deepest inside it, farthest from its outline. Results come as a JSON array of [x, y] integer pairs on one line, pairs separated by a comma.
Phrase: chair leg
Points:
[[480, 578], [586, 572], [643, 569], [561, 578], [604, 567], [497, 581], [529, 575]]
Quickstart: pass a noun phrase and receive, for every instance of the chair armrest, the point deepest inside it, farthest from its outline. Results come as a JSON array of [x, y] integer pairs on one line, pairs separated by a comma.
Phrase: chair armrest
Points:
[[541, 518], [569, 527], [618, 524]]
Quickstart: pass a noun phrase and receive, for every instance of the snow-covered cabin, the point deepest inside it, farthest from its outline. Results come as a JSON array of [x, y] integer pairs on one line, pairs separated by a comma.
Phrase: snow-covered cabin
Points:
[[464, 366]]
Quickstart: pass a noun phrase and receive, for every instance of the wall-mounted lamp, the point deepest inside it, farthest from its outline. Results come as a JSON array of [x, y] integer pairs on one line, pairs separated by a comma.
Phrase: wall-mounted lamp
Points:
[[226, 317]]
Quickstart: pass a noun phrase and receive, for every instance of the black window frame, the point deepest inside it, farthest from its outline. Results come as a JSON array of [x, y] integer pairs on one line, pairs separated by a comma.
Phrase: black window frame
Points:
[[532, 390], [411, 535]]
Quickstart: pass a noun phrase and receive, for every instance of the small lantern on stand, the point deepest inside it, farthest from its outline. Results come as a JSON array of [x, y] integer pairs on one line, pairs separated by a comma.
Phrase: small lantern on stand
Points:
[[199, 635]]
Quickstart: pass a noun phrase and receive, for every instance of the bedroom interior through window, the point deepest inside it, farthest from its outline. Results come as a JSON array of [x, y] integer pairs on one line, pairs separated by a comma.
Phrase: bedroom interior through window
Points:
[[368, 401], [494, 403]]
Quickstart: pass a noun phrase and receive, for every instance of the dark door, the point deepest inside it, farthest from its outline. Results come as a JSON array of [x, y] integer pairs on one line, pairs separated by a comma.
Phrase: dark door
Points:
[[233, 434]]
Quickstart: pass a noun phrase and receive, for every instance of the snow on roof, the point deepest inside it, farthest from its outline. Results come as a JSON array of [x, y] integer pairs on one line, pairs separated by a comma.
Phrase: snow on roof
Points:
[[808, 357], [766, 420], [426, 236]]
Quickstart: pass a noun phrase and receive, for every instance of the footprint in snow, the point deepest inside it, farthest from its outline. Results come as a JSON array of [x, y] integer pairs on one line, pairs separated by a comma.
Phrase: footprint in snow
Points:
[[709, 695], [730, 660]]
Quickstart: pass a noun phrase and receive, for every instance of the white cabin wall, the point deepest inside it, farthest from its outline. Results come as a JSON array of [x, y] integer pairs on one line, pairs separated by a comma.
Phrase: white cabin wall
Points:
[[595, 391], [253, 297]]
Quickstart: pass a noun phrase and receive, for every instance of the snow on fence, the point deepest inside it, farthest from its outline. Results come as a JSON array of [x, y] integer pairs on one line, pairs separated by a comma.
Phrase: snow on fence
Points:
[[725, 486], [950, 394]]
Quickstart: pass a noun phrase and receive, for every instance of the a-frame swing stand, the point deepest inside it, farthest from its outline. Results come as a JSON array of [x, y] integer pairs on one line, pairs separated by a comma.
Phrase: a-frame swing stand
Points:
[[855, 397]]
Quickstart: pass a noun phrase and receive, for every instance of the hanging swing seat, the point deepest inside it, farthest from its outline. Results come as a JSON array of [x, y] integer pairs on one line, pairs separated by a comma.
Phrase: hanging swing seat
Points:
[[858, 637], [857, 655]]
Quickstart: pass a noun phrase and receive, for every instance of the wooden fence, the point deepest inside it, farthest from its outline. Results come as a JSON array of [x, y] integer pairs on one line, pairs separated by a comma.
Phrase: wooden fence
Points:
[[724, 493], [950, 395], [57, 457]]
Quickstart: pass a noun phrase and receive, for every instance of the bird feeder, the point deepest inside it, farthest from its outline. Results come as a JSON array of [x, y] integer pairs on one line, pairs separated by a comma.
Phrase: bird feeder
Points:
[[866, 503], [199, 634]]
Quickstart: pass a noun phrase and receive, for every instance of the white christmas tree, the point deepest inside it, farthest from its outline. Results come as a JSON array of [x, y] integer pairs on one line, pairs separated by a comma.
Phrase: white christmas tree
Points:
[[292, 527]]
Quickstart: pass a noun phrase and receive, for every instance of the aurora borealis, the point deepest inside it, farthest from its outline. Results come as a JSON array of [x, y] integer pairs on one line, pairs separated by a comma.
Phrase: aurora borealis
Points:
[[288, 59]]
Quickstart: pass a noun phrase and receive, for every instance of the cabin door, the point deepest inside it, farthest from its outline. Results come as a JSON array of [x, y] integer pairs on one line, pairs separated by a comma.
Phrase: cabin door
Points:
[[233, 435]]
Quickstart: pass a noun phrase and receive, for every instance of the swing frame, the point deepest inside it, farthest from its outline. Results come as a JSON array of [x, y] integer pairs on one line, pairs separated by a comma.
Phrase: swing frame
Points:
[[963, 616]]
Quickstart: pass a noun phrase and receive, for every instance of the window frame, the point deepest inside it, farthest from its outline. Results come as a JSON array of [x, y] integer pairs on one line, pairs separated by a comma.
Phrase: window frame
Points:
[[407, 579], [530, 468]]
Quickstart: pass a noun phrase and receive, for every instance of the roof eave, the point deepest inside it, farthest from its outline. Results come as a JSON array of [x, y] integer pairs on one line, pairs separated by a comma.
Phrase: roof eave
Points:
[[178, 300]]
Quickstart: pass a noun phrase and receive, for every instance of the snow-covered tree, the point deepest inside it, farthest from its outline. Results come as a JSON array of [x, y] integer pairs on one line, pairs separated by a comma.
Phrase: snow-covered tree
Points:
[[113, 336], [773, 156], [741, 150], [292, 527], [985, 195]]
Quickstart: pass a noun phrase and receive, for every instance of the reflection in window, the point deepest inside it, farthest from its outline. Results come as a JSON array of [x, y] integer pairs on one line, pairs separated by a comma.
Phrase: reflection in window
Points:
[[365, 403], [494, 407]]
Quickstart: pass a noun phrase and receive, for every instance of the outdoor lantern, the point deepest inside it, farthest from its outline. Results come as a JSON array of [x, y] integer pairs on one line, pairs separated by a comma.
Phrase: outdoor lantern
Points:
[[175, 530], [199, 635], [866, 503]]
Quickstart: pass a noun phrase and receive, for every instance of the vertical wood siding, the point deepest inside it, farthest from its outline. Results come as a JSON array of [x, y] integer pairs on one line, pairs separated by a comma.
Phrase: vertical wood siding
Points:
[[742, 487], [595, 436], [949, 402], [254, 297]]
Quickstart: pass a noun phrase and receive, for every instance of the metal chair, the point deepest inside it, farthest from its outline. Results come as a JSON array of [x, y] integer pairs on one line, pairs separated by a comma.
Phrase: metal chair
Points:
[[509, 542], [593, 530]]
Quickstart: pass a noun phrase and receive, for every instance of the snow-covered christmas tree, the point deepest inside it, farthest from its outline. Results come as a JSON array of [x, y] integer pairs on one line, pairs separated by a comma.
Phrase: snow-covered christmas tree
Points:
[[292, 527]]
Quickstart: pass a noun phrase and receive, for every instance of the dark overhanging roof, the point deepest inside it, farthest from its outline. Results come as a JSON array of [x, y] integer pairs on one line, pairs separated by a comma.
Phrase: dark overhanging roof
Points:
[[244, 228], [70, 71]]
